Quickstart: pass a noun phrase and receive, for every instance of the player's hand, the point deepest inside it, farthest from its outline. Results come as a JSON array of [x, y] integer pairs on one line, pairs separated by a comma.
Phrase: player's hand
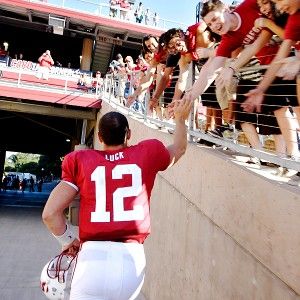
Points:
[[73, 248], [169, 112], [254, 101], [182, 109]]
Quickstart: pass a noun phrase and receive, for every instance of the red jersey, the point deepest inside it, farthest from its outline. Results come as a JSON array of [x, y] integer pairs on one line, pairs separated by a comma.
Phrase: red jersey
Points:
[[46, 61], [3, 52], [246, 34], [191, 37], [161, 56], [292, 29], [267, 53], [115, 189]]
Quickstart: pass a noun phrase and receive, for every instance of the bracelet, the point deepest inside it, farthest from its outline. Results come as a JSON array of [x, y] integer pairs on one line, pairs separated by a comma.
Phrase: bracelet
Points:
[[67, 237], [232, 69]]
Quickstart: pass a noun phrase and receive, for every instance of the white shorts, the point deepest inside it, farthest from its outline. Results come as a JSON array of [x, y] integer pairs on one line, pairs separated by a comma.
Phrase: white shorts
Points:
[[108, 271], [43, 72]]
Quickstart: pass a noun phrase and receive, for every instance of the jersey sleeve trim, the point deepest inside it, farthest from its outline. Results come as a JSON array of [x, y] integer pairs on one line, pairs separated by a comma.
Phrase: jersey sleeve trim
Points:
[[72, 185]]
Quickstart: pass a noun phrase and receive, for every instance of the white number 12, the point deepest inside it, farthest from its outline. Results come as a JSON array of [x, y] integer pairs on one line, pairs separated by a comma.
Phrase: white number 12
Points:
[[100, 214]]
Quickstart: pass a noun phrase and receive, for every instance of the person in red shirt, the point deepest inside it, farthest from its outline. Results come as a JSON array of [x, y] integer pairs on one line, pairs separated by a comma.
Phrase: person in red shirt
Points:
[[2, 51], [151, 44], [114, 186], [46, 62], [184, 45], [160, 68], [256, 96], [196, 39], [264, 48], [237, 30]]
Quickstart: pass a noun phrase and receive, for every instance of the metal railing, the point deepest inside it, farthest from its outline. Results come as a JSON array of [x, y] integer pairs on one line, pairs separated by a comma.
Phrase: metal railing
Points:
[[118, 87], [97, 8], [55, 83]]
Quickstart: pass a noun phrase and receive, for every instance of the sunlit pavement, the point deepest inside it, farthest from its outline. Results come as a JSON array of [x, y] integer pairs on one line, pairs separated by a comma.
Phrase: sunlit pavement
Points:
[[26, 244]]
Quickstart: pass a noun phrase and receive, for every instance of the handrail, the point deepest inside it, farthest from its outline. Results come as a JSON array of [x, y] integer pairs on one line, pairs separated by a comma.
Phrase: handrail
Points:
[[110, 83], [55, 83], [102, 9]]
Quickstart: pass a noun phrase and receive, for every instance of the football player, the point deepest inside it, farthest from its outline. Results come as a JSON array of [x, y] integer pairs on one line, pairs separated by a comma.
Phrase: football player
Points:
[[115, 186]]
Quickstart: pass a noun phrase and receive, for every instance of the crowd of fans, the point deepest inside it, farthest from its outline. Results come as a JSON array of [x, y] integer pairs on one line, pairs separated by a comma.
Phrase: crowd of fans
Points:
[[248, 61], [128, 12], [87, 82]]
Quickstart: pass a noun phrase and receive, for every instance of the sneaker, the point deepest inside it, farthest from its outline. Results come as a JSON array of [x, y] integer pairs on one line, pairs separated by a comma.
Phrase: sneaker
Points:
[[254, 160], [227, 127], [205, 143], [281, 171], [215, 133]]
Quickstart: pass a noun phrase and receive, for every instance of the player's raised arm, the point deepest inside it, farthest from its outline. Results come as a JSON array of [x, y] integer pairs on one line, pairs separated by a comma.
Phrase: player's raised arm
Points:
[[182, 110]]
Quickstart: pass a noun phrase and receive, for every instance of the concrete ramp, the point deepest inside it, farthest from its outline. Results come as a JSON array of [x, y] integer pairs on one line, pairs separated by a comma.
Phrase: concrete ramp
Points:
[[221, 229], [26, 246]]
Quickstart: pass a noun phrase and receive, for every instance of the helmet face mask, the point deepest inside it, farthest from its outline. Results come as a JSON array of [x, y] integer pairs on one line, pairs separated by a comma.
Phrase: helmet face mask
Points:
[[56, 275]]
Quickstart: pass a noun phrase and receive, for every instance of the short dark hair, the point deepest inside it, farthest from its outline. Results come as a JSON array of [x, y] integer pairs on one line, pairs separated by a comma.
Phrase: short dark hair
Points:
[[113, 127], [211, 5], [146, 38], [171, 33]]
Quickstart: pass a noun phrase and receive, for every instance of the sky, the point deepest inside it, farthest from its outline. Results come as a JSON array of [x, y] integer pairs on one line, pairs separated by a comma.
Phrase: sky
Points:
[[182, 11]]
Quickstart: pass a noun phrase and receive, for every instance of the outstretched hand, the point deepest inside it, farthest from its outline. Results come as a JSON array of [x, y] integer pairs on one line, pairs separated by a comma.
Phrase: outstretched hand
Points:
[[153, 103], [254, 101], [290, 68], [170, 109], [130, 100], [225, 77], [182, 109], [204, 52], [188, 97]]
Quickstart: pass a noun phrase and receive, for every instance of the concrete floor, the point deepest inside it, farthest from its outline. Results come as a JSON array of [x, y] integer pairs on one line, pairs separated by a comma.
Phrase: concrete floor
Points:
[[26, 246]]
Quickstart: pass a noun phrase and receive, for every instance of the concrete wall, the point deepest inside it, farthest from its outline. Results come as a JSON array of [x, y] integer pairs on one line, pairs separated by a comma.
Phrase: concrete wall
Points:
[[219, 231]]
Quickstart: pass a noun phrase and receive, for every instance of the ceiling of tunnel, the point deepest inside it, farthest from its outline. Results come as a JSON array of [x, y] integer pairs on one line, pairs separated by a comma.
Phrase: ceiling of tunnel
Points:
[[31, 133]]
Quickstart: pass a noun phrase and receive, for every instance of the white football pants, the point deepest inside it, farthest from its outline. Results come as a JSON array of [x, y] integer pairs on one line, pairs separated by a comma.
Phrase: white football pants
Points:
[[108, 271]]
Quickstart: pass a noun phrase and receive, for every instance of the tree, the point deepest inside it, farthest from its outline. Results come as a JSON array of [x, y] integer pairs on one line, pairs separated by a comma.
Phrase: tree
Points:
[[19, 159], [40, 165]]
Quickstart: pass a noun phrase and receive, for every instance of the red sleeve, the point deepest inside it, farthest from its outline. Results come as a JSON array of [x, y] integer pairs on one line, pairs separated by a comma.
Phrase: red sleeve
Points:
[[248, 12], [69, 168], [191, 36], [157, 153], [292, 28]]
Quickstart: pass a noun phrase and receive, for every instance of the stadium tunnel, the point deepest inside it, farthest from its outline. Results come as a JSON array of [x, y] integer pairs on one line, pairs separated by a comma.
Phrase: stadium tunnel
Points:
[[43, 129]]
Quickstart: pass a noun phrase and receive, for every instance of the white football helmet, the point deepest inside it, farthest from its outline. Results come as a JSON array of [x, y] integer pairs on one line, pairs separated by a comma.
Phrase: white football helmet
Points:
[[55, 276]]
